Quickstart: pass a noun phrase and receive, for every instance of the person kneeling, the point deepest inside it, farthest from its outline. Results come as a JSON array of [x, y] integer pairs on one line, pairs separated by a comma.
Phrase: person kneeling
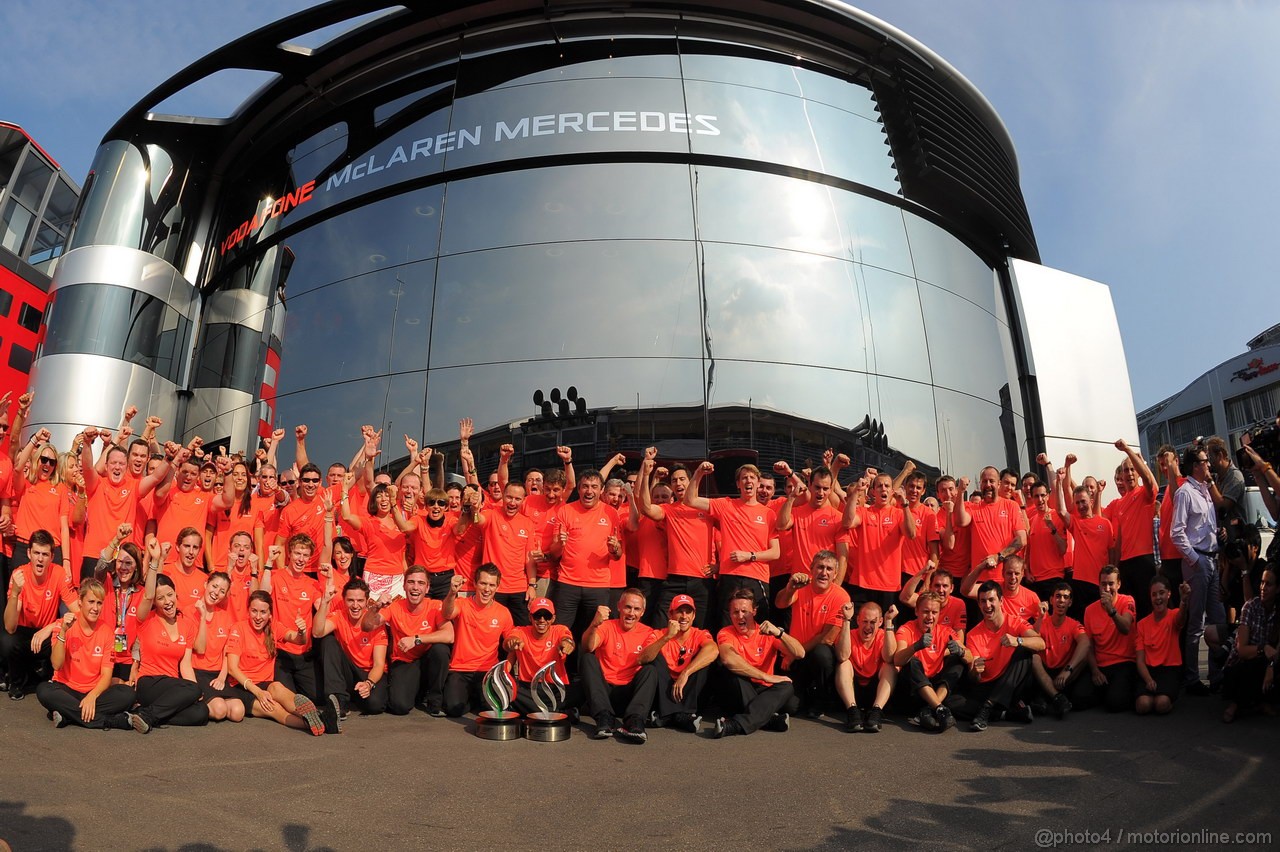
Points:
[[1159, 655], [614, 678], [866, 675], [355, 659], [934, 659], [999, 657], [749, 651], [480, 624], [681, 656]]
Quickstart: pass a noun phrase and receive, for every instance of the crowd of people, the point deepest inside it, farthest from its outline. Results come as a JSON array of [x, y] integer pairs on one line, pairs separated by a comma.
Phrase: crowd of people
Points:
[[151, 583]]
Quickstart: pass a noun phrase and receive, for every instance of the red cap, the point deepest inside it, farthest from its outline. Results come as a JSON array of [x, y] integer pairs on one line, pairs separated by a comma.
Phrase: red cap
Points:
[[682, 600], [539, 604]]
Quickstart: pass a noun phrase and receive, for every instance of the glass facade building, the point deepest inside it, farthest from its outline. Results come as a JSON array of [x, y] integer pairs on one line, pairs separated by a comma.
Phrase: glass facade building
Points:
[[735, 231]]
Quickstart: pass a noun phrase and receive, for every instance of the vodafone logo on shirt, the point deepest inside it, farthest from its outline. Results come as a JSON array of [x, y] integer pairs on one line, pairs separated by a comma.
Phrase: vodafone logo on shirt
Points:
[[602, 522], [493, 622], [222, 631], [425, 622], [97, 650], [824, 522], [364, 640], [886, 521], [759, 519], [48, 593], [522, 534]]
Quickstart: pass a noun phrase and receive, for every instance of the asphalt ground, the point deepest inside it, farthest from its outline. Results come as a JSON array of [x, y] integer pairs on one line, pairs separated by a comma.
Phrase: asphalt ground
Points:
[[421, 783]]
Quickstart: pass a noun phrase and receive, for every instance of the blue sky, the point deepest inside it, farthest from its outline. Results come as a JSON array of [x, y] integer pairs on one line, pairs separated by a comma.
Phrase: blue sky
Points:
[[1145, 133]]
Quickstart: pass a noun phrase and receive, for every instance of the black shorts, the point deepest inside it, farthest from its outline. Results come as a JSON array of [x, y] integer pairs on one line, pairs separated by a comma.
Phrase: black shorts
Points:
[[207, 692], [239, 693], [1168, 681]]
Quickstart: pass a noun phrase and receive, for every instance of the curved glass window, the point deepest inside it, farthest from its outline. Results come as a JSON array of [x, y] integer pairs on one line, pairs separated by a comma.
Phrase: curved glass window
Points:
[[965, 345], [229, 357], [103, 319]]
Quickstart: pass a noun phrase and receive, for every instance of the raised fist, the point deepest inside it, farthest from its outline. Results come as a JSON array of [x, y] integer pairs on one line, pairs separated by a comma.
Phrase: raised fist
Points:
[[300, 432]]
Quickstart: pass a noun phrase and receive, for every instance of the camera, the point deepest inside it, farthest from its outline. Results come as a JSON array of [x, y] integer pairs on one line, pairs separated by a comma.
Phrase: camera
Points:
[[1265, 440]]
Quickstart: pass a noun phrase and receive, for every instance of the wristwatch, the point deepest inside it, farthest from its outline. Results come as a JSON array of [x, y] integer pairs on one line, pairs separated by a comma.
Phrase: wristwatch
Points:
[[417, 640]]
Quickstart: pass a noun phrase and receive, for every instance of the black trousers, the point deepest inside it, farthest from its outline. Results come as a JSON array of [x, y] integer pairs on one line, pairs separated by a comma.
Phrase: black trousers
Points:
[[576, 605], [692, 689], [1004, 691], [418, 681], [297, 673], [341, 676], [654, 614], [24, 664], [1242, 682], [616, 699], [515, 601], [1135, 575], [439, 582], [171, 701], [60, 698], [701, 589], [815, 677], [949, 676], [1116, 696], [1082, 595], [757, 704], [462, 693]]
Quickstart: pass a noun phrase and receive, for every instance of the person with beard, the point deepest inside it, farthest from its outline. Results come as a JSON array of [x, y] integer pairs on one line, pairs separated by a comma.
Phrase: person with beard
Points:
[[355, 659], [681, 656], [749, 651], [879, 529], [690, 549]]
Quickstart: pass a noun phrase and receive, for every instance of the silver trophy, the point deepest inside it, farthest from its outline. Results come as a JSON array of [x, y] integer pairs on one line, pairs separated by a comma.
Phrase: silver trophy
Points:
[[499, 690], [548, 725]]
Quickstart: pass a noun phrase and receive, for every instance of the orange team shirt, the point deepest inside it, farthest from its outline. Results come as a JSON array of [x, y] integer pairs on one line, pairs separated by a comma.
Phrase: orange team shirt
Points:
[[537, 651], [127, 621], [877, 543], [1110, 646], [38, 603], [866, 659], [1059, 640], [43, 506], [86, 656], [955, 559], [986, 643], [241, 587], [689, 542], [356, 642], [251, 647], [507, 544], [403, 621], [146, 511], [478, 632], [1024, 604], [1044, 560], [1158, 640], [266, 515], [109, 507], [585, 559], [812, 612], [812, 530], [915, 551], [537, 509], [301, 516], [1134, 515], [619, 650], [992, 526], [618, 567], [743, 526], [217, 632], [1169, 551], [678, 652], [651, 548], [755, 648], [73, 551], [433, 547], [786, 547], [182, 509], [384, 546], [293, 596], [931, 658], [226, 523], [954, 614], [1093, 538], [189, 586], [358, 503], [159, 653], [468, 548]]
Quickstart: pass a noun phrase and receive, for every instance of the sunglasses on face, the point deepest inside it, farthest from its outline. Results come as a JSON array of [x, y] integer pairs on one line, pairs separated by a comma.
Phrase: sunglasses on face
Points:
[[309, 481], [48, 461], [542, 616], [437, 502]]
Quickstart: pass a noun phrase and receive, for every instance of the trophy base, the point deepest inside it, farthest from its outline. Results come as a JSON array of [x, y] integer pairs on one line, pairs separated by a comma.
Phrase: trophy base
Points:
[[547, 727], [501, 725]]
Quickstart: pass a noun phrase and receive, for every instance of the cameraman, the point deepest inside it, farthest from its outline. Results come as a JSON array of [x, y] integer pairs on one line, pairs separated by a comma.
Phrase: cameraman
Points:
[[1268, 482], [1226, 488]]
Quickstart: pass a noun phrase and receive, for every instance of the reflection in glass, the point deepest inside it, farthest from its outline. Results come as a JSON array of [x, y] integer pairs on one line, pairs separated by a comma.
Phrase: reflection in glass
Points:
[[943, 260], [897, 327], [363, 326], [971, 435], [581, 61], [778, 77], [835, 397], [965, 345], [784, 306], [229, 357], [567, 300], [910, 425], [588, 202]]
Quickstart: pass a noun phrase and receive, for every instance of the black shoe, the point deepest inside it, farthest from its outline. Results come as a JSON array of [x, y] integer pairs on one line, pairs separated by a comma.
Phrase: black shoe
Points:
[[926, 719], [853, 720], [335, 704], [726, 728], [331, 718], [813, 710], [982, 719], [605, 726], [1195, 687], [942, 715], [138, 723], [780, 723], [682, 722], [16, 692], [1061, 705], [871, 722], [1020, 712], [633, 729]]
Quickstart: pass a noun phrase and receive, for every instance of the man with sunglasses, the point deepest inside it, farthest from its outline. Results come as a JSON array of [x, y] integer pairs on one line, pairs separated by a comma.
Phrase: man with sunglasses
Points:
[[533, 646], [433, 542], [305, 516], [681, 655], [509, 544], [1195, 533]]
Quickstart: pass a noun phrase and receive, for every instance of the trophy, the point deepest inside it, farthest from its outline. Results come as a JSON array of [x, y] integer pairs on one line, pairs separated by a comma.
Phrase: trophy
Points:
[[499, 690], [547, 725]]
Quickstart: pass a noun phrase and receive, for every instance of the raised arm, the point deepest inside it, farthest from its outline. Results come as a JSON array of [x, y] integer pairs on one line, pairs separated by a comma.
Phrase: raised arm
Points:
[[691, 497], [1139, 464], [300, 458]]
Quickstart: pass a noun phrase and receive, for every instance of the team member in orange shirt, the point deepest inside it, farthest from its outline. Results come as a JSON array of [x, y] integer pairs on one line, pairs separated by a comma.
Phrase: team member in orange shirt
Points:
[[690, 552], [355, 659], [434, 539], [114, 497], [1094, 539], [681, 656], [239, 507], [480, 624], [251, 653], [210, 664], [1109, 622], [40, 500], [748, 536], [998, 526], [34, 592], [1171, 473], [999, 658], [305, 514], [748, 651], [1017, 599], [420, 641], [1047, 538], [384, 529], [185, 572], [81, 692], [816, 605], [1158, 655], [650, 537], [535, 645], [941, 583], [923, 550], [583, 537], [245, 572], [1134, 518], [934, 659], [1066, 649], [122, 570], [165, 681], [613, 676], [182, 504], [293, 599], [952, 527], [879, 529], [813, 522], [866, 677], [509, 544]]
